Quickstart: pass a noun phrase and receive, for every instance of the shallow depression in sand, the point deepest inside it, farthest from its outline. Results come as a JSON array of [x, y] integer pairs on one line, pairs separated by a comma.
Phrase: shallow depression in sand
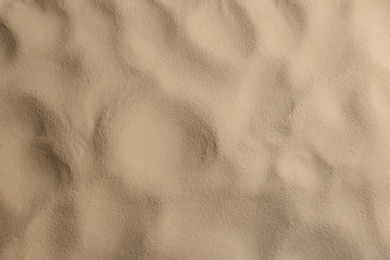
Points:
[[158, 145]]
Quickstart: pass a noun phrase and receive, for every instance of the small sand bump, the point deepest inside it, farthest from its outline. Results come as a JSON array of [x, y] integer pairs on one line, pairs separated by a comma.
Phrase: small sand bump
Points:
[[168, 20], [228, 35], [52, 161], [323, 242], [72, 63], [8, 226], [201, 137], [31, 184], [145, 43], [294, 11], [65, 227], [8, 43], [29, 113]]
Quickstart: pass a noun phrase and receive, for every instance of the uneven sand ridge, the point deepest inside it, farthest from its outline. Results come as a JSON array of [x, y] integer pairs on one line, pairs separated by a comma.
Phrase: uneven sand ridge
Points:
[[194, 130]]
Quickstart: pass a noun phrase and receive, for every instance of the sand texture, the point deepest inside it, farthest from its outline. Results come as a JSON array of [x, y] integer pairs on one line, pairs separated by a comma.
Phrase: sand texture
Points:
[[195, 129]]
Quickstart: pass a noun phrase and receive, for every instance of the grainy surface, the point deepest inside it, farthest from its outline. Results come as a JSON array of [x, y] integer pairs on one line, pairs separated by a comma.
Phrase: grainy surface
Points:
[[194, 130]]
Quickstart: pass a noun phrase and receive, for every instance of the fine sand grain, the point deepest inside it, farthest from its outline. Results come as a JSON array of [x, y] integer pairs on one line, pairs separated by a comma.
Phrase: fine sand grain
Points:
[[195, 129]]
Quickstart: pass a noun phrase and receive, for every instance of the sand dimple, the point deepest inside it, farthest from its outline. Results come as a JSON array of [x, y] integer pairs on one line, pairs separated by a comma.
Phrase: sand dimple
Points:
[[222, 28], [142, 140]]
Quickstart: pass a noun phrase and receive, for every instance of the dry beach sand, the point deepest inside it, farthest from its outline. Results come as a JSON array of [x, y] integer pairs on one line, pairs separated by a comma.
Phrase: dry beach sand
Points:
[[195, 129]]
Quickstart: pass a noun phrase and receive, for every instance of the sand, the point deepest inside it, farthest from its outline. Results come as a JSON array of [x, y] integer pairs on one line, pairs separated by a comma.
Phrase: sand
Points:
[[194, 130]]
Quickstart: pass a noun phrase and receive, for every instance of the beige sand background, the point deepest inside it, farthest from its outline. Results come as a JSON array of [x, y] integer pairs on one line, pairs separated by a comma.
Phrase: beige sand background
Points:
[[195, 130]]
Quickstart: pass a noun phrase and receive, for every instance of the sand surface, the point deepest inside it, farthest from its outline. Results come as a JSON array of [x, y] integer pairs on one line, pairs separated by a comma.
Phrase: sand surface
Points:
[[194, 129]]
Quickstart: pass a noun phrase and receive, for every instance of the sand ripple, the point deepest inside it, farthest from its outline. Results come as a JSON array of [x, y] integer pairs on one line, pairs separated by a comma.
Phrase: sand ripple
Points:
[[220, 129]]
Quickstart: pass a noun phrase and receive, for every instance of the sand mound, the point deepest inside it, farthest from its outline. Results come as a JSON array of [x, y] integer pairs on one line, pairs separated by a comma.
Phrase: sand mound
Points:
[[194, 130]]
